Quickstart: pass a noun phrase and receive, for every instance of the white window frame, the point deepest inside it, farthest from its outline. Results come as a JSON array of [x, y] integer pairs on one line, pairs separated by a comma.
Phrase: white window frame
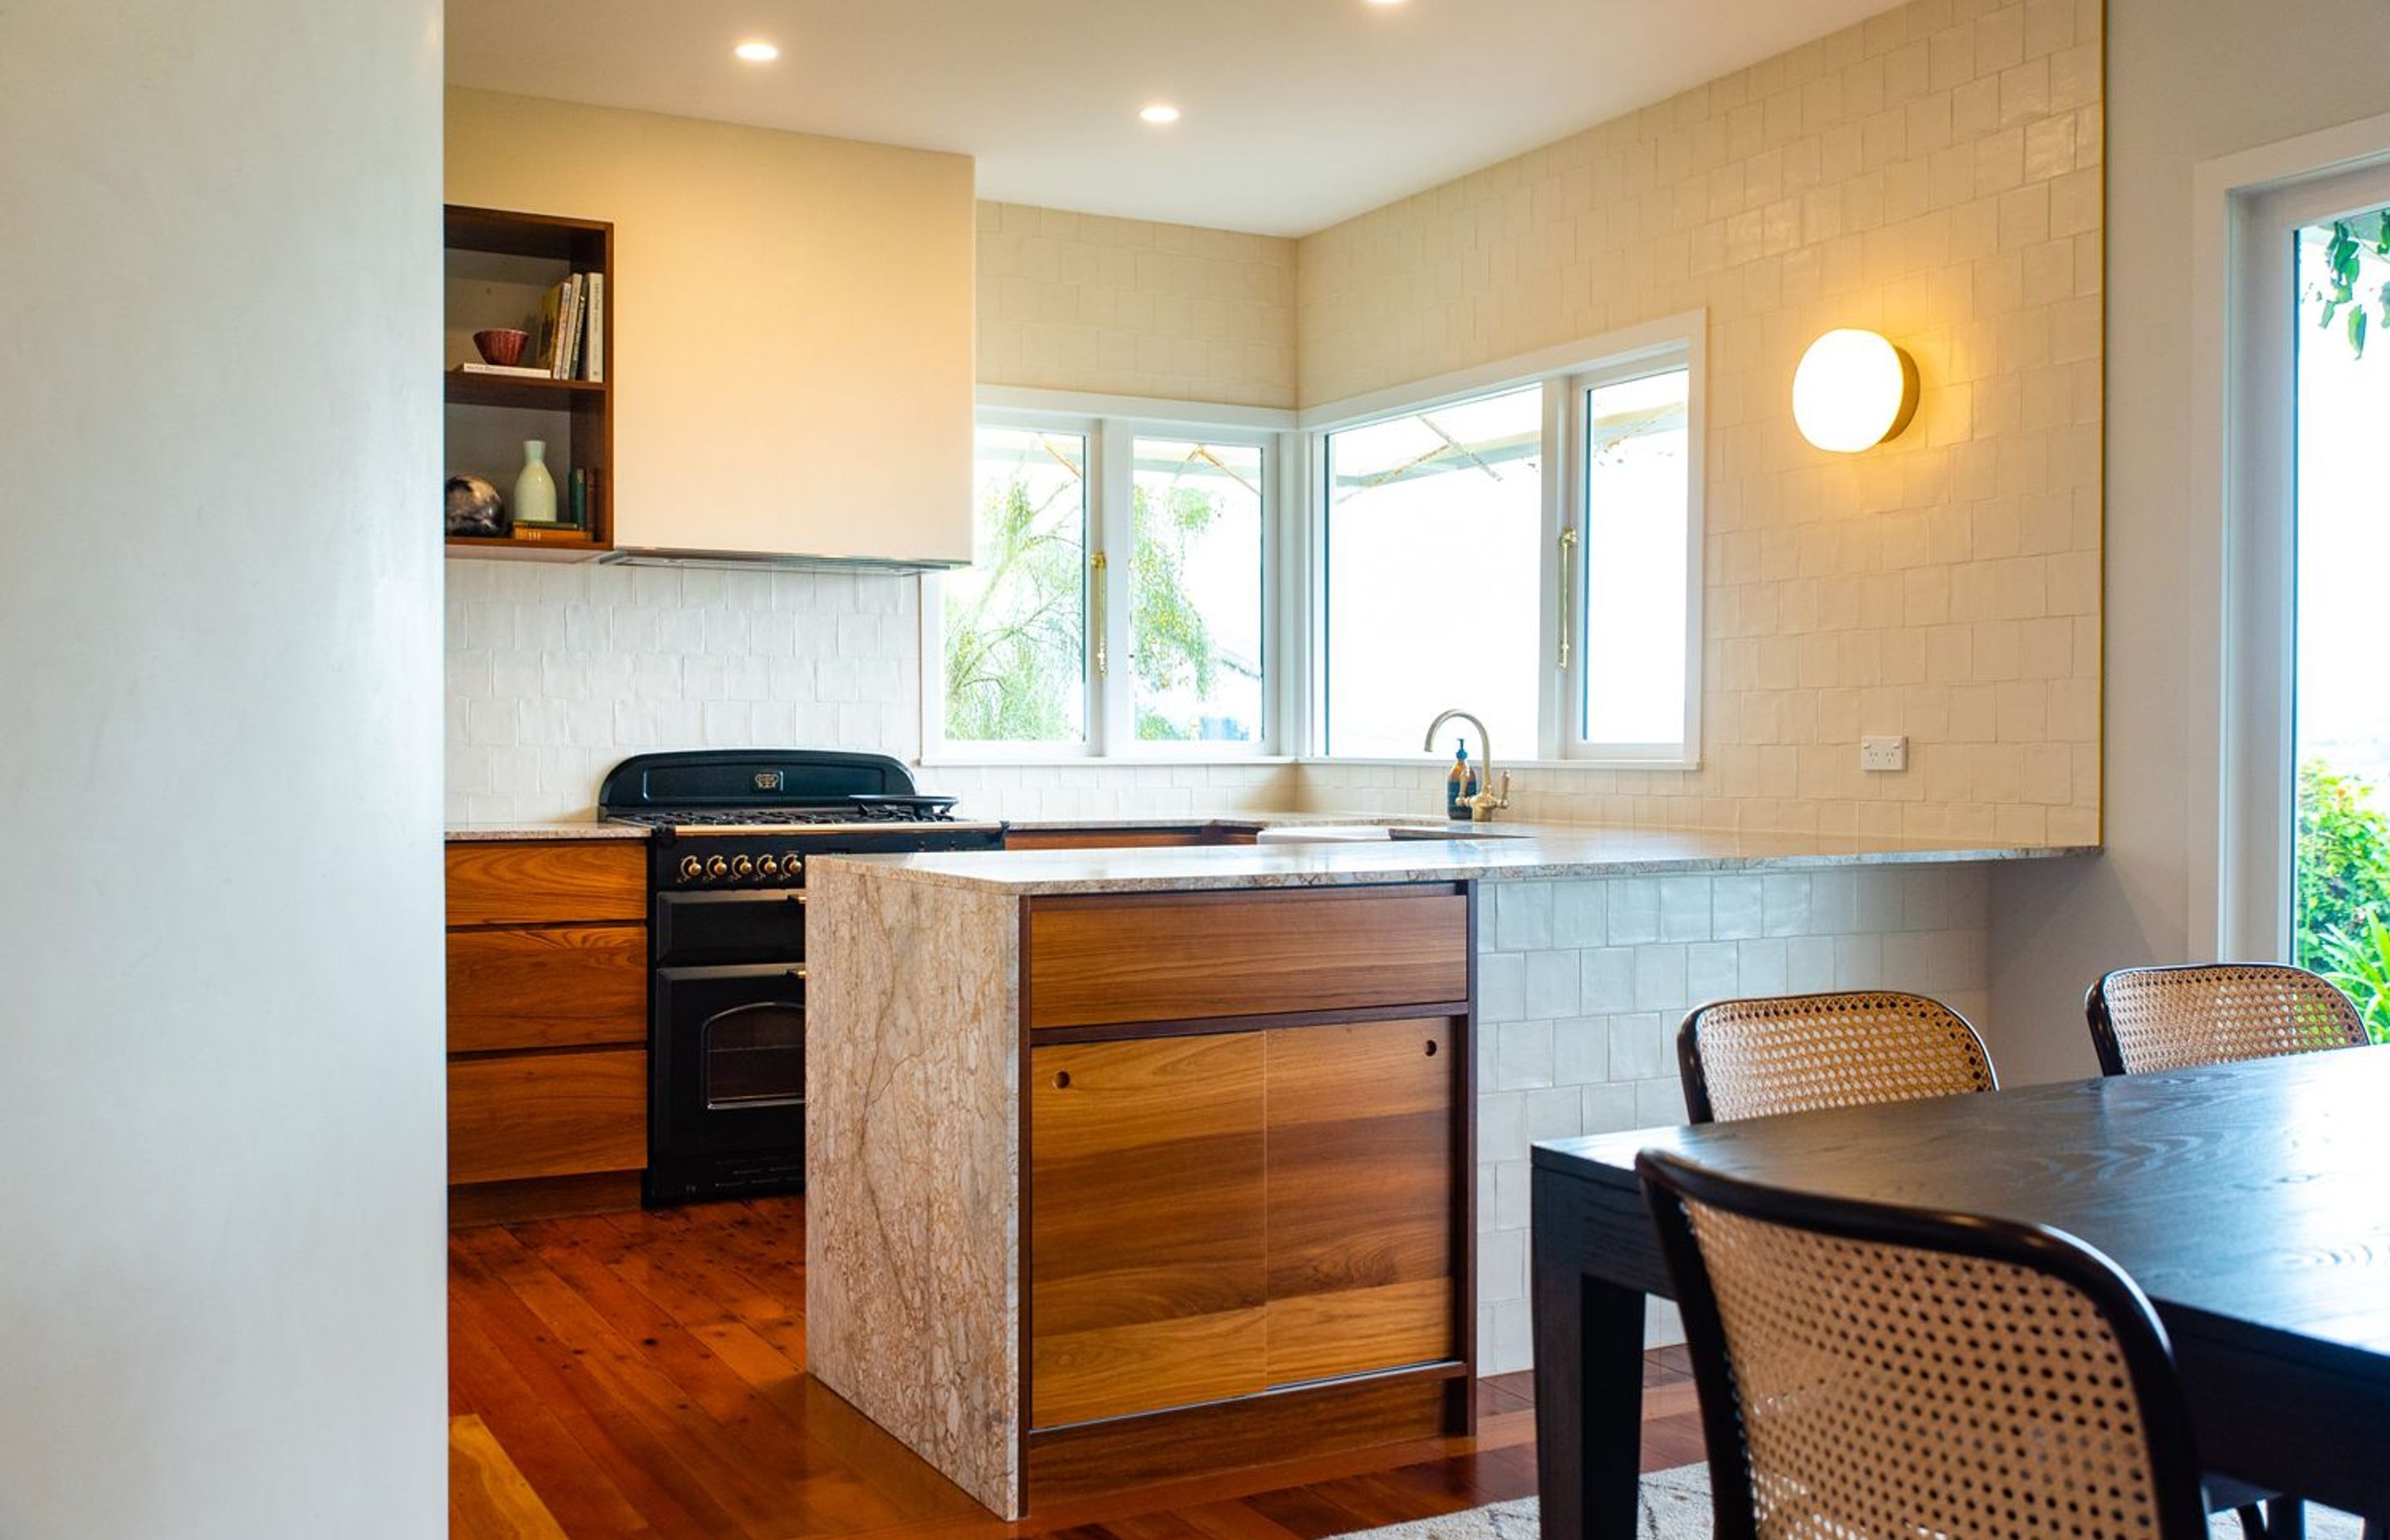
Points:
[[1112, 425], [1565, 374], [2241, 733], [1685, 753]]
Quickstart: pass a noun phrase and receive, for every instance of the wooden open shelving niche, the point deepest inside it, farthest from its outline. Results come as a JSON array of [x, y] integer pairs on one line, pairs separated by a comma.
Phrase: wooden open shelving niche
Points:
[[496, 260]]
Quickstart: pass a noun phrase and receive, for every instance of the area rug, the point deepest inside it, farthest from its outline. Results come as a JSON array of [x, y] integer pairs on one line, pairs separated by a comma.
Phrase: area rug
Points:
[[1677, 1507]]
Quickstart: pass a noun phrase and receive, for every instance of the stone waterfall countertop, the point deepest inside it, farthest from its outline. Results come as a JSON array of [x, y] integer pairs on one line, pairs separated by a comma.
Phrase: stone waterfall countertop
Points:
[[1500, 851]]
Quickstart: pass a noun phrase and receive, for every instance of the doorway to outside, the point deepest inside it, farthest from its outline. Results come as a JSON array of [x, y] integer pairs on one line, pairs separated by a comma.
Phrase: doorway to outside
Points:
[[2340, 888]]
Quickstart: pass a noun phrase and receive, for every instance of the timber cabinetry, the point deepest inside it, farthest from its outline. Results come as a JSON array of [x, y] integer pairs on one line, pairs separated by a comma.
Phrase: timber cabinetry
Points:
[[1247, 1181], [547, 1027]]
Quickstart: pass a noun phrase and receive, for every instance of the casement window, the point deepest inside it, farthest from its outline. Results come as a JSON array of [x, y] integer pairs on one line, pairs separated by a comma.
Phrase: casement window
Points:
[[1117, 600], [1529, 550], [1524, 543]]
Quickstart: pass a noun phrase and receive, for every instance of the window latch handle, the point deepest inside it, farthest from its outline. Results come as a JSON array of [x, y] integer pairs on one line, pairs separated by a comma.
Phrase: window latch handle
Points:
[[1568, 593], [1097, 612]]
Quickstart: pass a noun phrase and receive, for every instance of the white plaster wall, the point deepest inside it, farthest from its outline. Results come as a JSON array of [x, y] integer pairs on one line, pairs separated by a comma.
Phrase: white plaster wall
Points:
[[2188, 81], [220, 910], [1581, 985]]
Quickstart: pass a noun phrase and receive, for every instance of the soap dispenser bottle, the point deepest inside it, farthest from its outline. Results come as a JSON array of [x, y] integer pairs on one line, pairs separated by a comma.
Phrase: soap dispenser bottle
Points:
[[1461, 783]]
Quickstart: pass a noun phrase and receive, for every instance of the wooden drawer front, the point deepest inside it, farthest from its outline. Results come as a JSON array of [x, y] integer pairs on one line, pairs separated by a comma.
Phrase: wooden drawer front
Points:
[[1146, 1226], [546, 882], [1245, 955], [1362, 1271], [559, 988], [548, 1116]]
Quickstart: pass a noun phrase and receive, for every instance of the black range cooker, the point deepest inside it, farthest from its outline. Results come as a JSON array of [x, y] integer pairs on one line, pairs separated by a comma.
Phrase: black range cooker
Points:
[[726, 880]]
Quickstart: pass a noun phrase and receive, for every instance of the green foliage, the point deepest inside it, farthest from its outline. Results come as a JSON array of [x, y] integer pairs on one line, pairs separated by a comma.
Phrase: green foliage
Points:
[[2359, 964], [1015, 639], [2343, 859], [2343, 890], [1016, 626], [1172, 643], [2343, 258]]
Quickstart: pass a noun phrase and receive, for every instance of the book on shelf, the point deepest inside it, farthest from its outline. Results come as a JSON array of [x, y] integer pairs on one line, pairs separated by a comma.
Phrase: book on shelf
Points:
[[573, 329], [568, 320], [506, 371], [550, 328], [595, 372], [551, 534]]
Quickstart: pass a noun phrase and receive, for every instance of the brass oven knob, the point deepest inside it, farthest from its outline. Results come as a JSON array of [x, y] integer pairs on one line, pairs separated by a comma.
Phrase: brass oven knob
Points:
[[715, 866], [770, 865], [795, 865], [742, 867], [691, 868]]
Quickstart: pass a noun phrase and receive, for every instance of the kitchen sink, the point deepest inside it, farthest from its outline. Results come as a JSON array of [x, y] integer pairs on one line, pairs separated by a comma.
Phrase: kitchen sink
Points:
[[1322, 834]]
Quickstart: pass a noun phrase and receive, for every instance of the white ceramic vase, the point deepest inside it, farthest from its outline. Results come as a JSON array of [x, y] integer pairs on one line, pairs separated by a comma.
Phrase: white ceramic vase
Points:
[[535, 489]]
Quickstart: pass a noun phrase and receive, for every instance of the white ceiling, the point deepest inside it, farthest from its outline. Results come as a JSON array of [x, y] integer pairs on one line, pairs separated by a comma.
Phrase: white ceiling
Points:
[[1298, 112]]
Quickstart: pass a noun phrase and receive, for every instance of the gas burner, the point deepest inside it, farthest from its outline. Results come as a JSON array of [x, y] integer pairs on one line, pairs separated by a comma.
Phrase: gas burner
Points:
[[854, 809]]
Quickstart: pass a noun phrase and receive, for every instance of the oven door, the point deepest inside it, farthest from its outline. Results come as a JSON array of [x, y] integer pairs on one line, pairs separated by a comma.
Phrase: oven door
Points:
[[727, 1103]]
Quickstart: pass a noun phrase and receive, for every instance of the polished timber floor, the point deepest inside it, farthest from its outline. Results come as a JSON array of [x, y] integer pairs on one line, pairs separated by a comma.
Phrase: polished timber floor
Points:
[[643, 1375]]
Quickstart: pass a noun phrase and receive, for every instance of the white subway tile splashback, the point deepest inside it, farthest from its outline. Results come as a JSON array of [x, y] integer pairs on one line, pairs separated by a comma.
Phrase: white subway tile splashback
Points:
[[582, 665]]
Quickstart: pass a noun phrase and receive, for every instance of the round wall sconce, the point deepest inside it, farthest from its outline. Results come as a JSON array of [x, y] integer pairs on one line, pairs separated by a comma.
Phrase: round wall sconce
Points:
[[1853, 390]]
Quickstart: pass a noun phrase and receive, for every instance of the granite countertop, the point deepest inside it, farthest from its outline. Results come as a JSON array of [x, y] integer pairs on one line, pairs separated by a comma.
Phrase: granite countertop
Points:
[[556, 829], [1500, 851]]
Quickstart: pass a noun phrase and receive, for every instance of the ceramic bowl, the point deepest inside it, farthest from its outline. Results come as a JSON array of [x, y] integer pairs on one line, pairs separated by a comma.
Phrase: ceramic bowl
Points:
[[503, 348]]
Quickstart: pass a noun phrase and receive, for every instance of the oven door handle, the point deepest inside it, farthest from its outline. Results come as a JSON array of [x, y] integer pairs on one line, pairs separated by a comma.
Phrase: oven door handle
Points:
[[798, 973]]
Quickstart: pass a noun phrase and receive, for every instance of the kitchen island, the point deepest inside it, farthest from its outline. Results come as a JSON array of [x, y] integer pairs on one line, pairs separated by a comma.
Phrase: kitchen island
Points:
[[1129, 1164]]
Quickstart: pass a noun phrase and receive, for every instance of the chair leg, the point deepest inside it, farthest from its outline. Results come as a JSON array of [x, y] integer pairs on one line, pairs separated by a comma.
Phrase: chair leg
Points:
[[2286, 1520], [2375, 1530]]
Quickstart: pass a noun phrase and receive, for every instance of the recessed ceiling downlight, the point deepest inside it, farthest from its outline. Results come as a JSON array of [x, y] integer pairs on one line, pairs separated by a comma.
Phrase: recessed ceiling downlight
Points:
[[1160, 112], [757, 53]]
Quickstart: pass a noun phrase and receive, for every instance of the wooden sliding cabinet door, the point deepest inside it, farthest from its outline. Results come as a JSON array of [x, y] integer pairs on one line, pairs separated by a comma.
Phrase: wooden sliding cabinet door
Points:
[[1361, 1171], [1249, 1183], [1147, 1217]]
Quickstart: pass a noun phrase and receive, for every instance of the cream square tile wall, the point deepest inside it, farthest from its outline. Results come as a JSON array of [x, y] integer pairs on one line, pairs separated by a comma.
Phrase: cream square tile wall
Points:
[[1072, 301], [1933, 174], [555, 672], [1581, 985]]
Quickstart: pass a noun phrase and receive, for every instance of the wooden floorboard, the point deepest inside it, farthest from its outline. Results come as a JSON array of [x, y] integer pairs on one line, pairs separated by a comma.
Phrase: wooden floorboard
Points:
[[487, 1496], [640, 1377]]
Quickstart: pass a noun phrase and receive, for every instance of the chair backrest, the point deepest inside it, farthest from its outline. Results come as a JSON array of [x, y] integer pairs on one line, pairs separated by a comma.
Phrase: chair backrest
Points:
[[1867, 1370], [1796, 1052], [2145, 1019]]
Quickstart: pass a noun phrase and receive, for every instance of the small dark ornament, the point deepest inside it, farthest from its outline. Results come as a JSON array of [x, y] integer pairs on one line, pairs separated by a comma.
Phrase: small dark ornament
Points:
[[475, 508]]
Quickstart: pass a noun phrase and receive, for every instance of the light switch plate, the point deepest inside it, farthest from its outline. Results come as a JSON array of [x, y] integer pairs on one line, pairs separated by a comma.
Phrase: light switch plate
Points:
[[1884, 752]]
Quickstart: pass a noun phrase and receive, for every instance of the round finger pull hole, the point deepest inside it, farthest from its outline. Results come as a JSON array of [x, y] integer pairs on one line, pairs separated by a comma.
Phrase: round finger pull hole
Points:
[[1061, 1080], [1430, 1047]]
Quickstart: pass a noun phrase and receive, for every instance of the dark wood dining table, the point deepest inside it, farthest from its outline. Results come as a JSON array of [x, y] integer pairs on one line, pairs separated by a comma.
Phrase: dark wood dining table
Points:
[[2249, 1202]]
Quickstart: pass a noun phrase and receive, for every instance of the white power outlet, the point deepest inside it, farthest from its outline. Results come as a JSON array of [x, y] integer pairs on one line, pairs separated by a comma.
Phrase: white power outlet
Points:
[[1884, 752]]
